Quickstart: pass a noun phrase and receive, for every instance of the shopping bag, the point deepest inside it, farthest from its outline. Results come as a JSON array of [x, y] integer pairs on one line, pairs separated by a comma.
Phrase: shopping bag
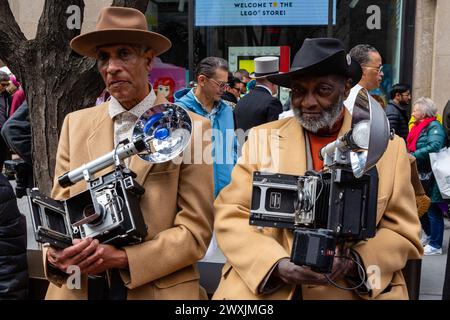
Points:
[[440, 164]]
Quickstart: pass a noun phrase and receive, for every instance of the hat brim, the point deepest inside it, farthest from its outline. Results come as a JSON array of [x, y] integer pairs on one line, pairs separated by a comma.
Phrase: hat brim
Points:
[[252, 75], [87, 43], [325, 67]]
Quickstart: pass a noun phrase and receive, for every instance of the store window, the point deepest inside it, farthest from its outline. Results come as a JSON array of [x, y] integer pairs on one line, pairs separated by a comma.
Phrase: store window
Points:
[[239, 30]]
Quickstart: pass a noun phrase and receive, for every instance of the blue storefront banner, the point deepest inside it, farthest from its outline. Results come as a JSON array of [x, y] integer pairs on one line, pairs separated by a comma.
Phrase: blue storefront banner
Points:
[[262, 12]]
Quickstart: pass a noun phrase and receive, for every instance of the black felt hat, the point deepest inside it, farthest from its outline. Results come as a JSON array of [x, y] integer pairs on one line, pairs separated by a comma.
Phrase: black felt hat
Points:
[[320, 56]]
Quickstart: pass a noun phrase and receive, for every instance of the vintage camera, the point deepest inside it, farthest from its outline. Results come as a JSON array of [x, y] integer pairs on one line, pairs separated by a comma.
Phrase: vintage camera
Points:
[[337, 205], [323, 209], [109, 210]]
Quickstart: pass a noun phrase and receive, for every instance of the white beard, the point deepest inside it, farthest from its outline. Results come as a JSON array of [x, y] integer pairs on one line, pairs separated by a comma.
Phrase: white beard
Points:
[[328, 119]]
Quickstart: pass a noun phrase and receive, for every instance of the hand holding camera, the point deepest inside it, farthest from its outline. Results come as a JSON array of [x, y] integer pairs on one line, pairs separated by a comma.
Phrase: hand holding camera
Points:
[[89, 255], [80, 252], [290, 273]]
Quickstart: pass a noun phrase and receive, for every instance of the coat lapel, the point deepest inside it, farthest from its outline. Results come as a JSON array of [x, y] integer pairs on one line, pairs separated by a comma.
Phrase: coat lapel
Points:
[[101, 139], [291, 158]]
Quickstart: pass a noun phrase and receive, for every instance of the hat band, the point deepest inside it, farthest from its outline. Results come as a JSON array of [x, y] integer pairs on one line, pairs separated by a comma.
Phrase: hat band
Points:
[[259, 74]]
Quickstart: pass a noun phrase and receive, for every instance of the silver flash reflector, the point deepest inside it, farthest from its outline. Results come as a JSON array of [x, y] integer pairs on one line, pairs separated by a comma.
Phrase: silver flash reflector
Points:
[[361, 134], [167, 128]]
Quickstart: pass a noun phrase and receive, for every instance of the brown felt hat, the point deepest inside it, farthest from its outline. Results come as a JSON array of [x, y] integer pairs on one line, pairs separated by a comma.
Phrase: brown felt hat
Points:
[[117, 25]]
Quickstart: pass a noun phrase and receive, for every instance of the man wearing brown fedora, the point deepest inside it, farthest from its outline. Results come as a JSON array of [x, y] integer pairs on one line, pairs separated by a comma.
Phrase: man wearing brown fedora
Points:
[[177, 203], [258, 259], [259, 105]]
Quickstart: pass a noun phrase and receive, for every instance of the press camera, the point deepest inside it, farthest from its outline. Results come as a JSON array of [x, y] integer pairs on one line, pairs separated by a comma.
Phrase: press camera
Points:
[[336, 205], [109, 210]]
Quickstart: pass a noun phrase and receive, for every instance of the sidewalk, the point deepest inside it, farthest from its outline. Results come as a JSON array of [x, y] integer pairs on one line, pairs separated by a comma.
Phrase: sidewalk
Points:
[[433, 271]]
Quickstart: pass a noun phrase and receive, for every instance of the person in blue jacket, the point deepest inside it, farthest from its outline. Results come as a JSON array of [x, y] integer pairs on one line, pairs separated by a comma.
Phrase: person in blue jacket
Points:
[[205, 99]]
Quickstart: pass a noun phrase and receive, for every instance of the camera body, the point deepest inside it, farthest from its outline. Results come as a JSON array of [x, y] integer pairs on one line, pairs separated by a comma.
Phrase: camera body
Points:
[[322, 209], [108, 211]]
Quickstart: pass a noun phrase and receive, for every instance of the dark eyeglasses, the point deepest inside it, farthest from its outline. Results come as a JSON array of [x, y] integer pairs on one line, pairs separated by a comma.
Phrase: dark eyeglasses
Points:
[[4, 84]]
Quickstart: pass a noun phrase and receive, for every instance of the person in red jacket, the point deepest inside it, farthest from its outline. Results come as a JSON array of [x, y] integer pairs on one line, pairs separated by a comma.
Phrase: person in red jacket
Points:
[[17, 93]]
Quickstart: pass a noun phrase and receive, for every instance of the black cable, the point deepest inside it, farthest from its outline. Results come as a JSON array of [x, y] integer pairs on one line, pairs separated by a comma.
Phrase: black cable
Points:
[[361, 273]]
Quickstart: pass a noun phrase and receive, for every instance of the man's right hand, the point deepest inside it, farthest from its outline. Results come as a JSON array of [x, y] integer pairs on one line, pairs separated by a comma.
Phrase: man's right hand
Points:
[[80, 251]]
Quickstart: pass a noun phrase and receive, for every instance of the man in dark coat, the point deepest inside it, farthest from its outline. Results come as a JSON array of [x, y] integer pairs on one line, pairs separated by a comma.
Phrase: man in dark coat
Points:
[[13, 246], [259, 106], [397, 109], [16, 132]]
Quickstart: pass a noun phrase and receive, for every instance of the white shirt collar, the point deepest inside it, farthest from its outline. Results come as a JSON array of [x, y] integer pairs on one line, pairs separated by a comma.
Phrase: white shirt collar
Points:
[[115, 108]]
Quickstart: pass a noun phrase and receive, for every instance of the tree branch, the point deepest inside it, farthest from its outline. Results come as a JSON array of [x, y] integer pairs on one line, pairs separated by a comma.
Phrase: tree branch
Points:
[[11, 37], [141, 5]]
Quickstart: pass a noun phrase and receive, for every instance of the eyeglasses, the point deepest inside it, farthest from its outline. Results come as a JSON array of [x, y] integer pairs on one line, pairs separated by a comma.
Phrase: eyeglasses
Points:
[[406, 94], [4, 84], [379, 69], [221, 85]]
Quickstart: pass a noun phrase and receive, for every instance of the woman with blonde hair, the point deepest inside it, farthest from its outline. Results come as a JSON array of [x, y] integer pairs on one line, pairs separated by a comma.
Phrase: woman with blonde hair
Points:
[[426, 136]]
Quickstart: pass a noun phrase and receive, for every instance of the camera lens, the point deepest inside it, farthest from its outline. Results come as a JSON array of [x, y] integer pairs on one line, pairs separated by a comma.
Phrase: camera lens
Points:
[[89, 211]]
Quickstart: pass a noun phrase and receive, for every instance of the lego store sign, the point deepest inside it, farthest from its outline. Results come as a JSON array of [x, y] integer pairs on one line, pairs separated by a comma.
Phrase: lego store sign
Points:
[[261, 12]]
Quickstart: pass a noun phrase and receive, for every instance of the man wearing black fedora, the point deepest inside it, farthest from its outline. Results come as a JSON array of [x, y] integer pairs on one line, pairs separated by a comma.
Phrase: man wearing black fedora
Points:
[[258, 260], [259, 105], [177, 203]]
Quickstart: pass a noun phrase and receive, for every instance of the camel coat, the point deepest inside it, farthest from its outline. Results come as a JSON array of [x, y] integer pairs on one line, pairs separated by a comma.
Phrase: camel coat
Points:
[[177, 208], [252, 253]]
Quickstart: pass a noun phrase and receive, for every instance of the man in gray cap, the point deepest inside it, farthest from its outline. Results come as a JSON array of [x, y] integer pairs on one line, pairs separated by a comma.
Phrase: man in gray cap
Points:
[[259, 105]]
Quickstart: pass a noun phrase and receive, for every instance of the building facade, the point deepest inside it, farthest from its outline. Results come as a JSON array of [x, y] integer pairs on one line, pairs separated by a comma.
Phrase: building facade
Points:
[[410, 34]]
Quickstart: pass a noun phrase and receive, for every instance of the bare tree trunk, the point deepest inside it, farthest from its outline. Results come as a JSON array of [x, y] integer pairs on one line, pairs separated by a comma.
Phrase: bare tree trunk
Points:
[[56, 80]]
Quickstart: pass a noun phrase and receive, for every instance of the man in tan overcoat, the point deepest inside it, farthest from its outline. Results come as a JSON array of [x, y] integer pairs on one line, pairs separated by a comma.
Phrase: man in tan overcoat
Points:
[[177, 203], [258, 260]]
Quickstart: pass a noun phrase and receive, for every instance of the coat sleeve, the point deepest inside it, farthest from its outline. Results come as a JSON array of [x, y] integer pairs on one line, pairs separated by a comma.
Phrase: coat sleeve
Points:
[[17, 133], [187, 241], [274, 109], [398, 228], [251, 252]]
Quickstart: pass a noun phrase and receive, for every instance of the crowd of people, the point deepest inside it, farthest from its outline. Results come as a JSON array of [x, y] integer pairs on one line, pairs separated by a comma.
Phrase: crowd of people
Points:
[[193, 208]]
